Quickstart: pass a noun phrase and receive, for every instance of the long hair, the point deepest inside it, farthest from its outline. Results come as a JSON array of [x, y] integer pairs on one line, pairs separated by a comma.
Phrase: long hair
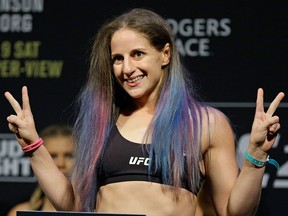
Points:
[[175, 129]]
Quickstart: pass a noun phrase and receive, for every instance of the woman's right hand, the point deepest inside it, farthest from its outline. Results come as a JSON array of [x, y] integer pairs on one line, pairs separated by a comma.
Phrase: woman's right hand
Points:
[[22, 124]]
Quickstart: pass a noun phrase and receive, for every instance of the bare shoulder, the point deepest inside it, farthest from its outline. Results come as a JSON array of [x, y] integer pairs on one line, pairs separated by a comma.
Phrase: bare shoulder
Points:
[[217, 128], [18, 207], [213, 116]]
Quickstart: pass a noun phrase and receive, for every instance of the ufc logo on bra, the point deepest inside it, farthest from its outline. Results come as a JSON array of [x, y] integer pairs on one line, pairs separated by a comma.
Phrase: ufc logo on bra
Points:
[[139, 161]]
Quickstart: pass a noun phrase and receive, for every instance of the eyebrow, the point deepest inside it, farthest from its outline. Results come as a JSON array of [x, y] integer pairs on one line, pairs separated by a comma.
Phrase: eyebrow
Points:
[[133, 50]]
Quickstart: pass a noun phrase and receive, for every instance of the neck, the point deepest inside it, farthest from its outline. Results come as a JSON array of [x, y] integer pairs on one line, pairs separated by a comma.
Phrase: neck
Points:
[[147, 104]]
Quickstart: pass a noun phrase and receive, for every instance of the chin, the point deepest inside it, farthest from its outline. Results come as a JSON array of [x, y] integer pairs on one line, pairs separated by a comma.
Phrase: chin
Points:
[[135, 96]]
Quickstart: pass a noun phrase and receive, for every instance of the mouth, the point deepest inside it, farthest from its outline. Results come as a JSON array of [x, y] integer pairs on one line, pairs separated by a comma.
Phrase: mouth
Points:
[[134, 79]]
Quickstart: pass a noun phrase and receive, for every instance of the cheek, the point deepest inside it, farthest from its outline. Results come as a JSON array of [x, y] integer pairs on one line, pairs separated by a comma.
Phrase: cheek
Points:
[[118, 75], [69, 163], [117, 72]]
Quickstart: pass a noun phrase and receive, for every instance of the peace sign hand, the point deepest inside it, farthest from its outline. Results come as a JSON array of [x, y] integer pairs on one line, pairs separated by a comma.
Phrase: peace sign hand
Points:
[[22, 124], [265, 126]]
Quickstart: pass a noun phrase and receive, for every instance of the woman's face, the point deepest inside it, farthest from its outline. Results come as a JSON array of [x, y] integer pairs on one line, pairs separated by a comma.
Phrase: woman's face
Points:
[[137, 64], [61, 149]]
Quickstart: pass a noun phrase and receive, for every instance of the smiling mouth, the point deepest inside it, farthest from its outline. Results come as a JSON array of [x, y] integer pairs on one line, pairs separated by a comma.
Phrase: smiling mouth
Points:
[[135, 79]]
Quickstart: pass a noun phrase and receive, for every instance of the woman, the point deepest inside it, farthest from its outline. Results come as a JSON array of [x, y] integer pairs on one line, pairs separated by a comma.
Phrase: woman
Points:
[[58, 142], [144, 142]]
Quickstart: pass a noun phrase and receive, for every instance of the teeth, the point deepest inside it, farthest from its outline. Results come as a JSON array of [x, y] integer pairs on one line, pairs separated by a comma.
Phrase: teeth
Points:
[[135, 79]]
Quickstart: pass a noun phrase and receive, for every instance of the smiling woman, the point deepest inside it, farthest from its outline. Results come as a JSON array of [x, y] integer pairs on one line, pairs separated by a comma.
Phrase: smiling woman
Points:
[[145, 143], [137, 65]]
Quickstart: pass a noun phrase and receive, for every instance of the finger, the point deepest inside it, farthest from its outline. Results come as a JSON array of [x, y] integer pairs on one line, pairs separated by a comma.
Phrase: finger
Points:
[[275, 103], [259, 100], [273, 131], [15, 120], [14, 103], [269, 122], [13, 128], [273, 128], [25, 101]]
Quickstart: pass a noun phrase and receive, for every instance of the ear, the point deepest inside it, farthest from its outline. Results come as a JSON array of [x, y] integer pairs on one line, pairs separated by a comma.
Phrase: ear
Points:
[[166, 54]]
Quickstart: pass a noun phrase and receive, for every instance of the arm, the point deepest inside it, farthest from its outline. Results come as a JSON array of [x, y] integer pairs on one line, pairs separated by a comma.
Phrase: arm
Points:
[[18, 207], [233, 192], [53, 182]]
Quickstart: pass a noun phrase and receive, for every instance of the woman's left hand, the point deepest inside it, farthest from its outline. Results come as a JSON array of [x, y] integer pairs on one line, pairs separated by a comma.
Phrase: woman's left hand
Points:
[[265, 126]]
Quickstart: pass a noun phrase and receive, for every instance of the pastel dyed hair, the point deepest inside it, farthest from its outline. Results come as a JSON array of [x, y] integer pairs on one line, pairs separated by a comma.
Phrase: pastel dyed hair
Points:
[[175, 129]]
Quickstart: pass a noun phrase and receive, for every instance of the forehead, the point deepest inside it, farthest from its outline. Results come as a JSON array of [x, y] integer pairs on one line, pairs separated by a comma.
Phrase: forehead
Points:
[[126, 37], [59, 144]]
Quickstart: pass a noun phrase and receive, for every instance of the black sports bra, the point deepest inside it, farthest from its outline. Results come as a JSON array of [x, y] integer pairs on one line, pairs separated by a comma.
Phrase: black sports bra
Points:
[[124, 160]]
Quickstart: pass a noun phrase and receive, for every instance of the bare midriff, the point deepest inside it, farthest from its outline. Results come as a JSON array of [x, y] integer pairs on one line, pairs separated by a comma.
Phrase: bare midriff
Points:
[[151, 199]]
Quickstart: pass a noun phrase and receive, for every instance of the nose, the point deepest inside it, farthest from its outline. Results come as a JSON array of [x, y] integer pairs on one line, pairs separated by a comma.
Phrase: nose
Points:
[[60, 162], [128, 66]]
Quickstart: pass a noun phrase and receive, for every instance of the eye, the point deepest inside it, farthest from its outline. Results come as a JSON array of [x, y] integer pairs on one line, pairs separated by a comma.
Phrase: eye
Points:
[[53, 155], [69, 155], [117, 59], [138, 55]]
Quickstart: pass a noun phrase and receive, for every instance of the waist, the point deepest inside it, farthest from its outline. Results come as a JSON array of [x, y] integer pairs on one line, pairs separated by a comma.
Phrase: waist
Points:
[[144, 197]]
